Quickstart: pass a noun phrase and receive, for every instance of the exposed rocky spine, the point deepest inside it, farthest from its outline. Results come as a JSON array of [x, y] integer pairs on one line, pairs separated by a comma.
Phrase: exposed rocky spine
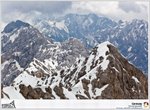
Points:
[[104, 74]]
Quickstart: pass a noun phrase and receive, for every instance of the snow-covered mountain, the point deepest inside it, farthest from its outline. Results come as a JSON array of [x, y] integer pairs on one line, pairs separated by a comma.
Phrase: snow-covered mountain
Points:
[[104, 74], [131, 37], [68, 58], [21, 43]]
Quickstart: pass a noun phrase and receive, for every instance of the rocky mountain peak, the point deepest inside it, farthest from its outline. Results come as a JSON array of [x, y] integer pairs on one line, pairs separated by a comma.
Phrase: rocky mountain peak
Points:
[[33, 67], [15, 25], [16, 57], [106, 72], [130, 37]]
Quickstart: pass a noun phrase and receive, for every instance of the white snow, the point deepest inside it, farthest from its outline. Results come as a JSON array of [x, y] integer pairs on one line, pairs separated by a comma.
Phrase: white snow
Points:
[[78, 89], [115, 69], [92, 74], [90, 90], [12, 93], [133, 89], [53, 92], [50, 63], [60, 25], [68, 94], [3, 64], [18, 66], [98, 91], [89, 62], [129, 49], [13, 37], [101, 51], [17, 53], [135, 79], [26, 79], [31, 67], [44, 50], [141, 25], [37, 65], [43, 88], [104, 65]]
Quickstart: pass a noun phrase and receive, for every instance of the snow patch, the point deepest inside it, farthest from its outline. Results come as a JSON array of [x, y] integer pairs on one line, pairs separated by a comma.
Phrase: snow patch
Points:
[[68, 94], [12, 93], [135, 79], [60, 25], [98, 91], [18, 66], [26, 79], [129, 49], [78, 89], [13, 37], [50, 63], [3, 64], [101, 52], [115, 69]]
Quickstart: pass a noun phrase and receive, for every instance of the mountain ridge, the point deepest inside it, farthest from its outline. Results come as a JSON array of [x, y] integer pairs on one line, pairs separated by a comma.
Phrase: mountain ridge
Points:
[[91, 29], [89, 78]]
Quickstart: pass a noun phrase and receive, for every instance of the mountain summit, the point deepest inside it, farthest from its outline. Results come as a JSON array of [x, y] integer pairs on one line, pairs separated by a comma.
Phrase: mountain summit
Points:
[[14, 25], [106, 74], [22, 45]]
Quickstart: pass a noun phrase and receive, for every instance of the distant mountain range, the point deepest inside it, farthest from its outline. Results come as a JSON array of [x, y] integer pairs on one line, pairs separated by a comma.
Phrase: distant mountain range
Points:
[[130, 37], [68, 58], [24, 43]]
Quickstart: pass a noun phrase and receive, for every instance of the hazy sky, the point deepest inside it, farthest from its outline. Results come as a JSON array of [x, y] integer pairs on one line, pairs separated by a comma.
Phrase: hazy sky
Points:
[[113, 9]]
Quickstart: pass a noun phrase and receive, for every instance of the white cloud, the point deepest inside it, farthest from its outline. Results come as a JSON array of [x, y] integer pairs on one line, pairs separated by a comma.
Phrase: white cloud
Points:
[[113, 9], [26, 10], [129, 6]]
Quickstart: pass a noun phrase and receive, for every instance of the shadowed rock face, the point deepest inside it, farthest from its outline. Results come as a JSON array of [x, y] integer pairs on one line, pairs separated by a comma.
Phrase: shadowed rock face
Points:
[[130, 37], [20, 52], [23, 43], [35, 93], [104, 74], [15, 25], [121, 83], [124, 80]]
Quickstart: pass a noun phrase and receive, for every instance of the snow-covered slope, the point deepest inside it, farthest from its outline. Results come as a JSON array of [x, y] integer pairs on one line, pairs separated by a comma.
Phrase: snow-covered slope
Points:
[[104, 74], [24, 43], [37, 81], [92, 29]]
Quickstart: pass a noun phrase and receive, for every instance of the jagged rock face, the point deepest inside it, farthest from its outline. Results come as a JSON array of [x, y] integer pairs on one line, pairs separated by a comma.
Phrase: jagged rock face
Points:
[[130, 37], [75, 49], [106, 76], [40, 68], [38, 81], [15, 25], [22, 43], [134, 83], [19, 47], [35, 93]]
